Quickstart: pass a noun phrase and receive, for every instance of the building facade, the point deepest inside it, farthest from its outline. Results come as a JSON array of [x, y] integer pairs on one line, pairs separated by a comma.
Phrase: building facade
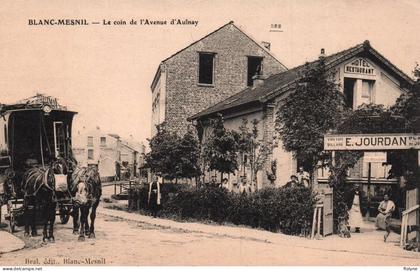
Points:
[[95, 147], [365, 77], [206, 72]]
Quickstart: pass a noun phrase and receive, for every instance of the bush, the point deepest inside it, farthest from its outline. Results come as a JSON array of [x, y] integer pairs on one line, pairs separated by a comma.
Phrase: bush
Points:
[[288, 210]]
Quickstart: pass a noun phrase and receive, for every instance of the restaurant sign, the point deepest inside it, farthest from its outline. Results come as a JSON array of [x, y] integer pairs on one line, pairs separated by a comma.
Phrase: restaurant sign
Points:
[[371, 142], [359, 66]]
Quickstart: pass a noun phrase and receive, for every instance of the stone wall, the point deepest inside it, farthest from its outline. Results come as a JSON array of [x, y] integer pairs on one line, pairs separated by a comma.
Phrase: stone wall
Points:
[[186, 97]]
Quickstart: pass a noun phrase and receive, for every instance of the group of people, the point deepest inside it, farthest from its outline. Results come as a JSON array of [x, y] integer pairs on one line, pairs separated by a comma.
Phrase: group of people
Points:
[[301, 178], [383, 219]]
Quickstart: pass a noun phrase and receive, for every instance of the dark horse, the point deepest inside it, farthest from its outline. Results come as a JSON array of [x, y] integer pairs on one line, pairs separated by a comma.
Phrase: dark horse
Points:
[[39, 197], [86, 190]]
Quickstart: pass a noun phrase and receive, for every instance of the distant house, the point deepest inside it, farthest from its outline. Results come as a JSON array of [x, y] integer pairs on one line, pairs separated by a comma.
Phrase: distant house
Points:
[[95, 147], [206, 72], [365, 75]]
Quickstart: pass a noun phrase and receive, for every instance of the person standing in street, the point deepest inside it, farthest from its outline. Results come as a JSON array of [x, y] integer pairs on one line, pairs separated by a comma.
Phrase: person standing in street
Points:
[[386, 207], [355, 215], [154, 196]]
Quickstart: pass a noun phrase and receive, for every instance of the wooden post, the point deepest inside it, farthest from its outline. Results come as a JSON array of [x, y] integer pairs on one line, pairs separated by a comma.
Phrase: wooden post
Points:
[[314, 222], [418, 195], [318, 235], [368, 191]]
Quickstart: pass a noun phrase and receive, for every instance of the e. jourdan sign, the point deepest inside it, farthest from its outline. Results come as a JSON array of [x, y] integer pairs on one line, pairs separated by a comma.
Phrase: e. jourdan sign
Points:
[[371, 142]]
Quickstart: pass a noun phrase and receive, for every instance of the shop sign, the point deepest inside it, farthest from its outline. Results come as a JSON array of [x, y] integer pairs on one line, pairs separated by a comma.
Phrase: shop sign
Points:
[[374, 157], [372, 142], [359, 66]]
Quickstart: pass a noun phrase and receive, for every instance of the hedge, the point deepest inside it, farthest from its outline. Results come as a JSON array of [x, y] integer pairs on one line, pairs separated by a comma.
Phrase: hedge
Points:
[[287, 209]]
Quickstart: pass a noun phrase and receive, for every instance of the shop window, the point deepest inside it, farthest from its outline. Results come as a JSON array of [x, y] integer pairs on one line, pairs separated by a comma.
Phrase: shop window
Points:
[[206, 65], [90, 141], [103, 141], [349, 86], [5, 133], [254, 68], [367, 90], [90, 154]]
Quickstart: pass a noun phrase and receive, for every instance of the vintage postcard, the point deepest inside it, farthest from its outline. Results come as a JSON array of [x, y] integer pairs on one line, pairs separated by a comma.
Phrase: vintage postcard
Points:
[[209, 133]]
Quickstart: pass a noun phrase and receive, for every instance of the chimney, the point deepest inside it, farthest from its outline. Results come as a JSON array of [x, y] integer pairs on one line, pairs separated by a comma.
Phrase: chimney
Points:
[[257, 80], [322, 53], [266, 45]]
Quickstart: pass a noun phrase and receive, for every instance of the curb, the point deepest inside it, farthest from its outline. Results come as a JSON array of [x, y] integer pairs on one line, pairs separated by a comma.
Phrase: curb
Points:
[[287, 241], [9, 242]]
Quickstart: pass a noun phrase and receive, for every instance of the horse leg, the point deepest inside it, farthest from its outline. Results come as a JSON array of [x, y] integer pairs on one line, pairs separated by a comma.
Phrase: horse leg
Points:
[[76, 222], [92, 220], [83, 218], [27, 214], [87, 230], [45, 218], [51, 222]]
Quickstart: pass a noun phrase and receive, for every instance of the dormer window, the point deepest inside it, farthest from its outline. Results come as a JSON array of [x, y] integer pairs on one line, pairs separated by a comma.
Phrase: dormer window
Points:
[[206, 66]]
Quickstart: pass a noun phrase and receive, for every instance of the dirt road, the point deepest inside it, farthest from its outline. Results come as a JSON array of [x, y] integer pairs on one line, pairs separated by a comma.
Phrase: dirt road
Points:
[[121, 242]]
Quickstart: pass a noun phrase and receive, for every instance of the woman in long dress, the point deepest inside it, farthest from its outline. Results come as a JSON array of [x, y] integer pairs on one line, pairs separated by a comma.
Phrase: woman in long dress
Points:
[[385, 208], [355, 215]]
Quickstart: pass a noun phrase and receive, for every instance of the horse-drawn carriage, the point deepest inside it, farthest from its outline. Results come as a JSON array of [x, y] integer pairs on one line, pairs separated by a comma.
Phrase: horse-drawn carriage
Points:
[[36, 134]]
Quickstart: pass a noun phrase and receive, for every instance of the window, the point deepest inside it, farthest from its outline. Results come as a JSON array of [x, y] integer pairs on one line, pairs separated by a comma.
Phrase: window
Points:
[[254, 68], [367, 89], [205, 72], [90, 154], [90, 141], [103, 141], [5, 133], [349, 85]]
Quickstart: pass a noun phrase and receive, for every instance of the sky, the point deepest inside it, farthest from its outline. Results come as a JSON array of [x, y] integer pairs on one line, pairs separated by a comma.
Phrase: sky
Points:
[[104, 72]]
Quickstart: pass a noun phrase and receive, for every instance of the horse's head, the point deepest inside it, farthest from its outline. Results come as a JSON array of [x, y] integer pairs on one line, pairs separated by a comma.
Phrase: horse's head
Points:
[[82, 196], [86, 183]]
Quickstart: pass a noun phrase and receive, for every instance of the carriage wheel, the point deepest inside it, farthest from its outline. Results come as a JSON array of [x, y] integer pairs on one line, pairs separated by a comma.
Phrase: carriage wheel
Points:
[[12, 224], [64, 216]]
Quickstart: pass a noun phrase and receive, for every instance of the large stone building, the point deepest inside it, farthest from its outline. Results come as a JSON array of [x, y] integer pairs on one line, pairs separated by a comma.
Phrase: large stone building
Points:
[[206, 72], [365, 76]]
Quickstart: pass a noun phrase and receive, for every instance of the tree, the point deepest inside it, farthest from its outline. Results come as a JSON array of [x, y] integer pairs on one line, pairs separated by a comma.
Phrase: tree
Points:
[[314, 107], [255, 149], [220, 151], [189, 155], [163, 156], [173, 157], [367, 119]]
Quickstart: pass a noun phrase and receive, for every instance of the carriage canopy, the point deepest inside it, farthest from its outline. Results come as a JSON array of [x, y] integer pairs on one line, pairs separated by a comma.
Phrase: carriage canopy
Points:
[[36, 131]]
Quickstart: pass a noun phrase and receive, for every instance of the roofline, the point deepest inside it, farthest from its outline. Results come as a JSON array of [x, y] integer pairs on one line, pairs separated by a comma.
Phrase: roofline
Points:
[[260, 45], [35, 109], [351, 52], [191, 44], [365, 46], [157, 76]]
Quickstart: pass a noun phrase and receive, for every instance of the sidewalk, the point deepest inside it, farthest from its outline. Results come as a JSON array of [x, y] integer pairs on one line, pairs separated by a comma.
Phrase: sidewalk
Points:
[[9, 242], [368, 242]]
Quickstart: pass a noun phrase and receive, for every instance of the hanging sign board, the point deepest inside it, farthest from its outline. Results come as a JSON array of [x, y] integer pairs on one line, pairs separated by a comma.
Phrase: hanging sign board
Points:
[[374, 157], [380, 142]]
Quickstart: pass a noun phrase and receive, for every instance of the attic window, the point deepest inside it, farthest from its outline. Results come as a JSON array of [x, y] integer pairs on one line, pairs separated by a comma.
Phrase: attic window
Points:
[[206, 65], [254, 67]]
